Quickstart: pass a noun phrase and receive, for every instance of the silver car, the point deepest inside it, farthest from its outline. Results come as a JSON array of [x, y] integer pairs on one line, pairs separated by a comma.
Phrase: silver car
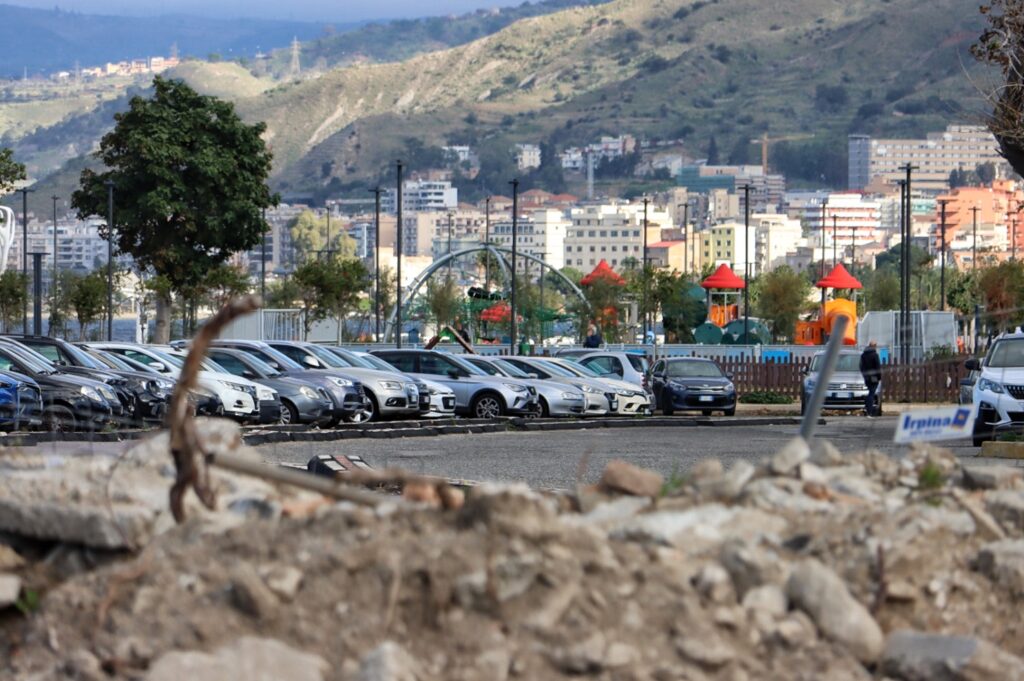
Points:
[[556, 399], [387, 393], [846, 389], [598, 398], [440, 398]]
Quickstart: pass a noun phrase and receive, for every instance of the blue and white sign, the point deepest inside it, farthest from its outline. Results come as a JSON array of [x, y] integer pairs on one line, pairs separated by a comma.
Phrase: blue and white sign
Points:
[[929, 425]]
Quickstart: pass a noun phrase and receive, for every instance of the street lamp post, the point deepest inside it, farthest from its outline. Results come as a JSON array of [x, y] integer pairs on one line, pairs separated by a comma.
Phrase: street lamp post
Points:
[[835, 238], [110, 259], [512, 295], [643, 275], [376, 191], [686, 237], [1013, 237], [942, 255], [449, 244], [24, 252], [53, 283], [746, 264], [821, 265], [543, 260], [908, 219], [263, 272], [398, 266], [974, 245], [903, 281]]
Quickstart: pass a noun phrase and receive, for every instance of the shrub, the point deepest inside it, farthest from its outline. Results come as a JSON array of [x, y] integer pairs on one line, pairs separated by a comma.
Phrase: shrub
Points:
[[765, 397]]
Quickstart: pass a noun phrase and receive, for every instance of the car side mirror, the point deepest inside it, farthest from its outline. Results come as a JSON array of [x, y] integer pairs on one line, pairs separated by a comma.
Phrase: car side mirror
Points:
[[60, 362], [966, 382], [533, 375], [311, 362], [728, 375], [453, 374], [249, 373], [973, 364], [158, 366], [804, 371]]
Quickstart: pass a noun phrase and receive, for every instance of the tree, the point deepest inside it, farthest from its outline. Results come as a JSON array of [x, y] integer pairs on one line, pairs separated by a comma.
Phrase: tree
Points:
[[1002, 290], [11, 172], [329, 288], [712, 152], [88, 298], [1001, 44], [782, 297], [282, 294], [190, 185], [309, 235], [223, 283], [444, 300], [60, 303], [986, 173], [884, 291], [12, 298]]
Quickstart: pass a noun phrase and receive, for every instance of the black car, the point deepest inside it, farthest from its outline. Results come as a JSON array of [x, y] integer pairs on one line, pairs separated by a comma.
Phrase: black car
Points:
[[69, 402], [144, 396], [301, 401], [692, 384]]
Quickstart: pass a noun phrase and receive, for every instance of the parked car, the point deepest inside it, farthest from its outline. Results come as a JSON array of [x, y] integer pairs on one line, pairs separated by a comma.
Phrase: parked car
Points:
[[632, 398], [692, 384], [436, 399], [846, 389], [238, 396], [144, 396], [268, 400], [556, 399], [999, 388], [628, 366], [346, 392], [21, 402], [69, 402], [599, 399], [301, 401], [476, 394]]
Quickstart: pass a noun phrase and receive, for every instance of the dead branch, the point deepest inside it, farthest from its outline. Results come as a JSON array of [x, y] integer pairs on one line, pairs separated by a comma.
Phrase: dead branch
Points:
[[185, 447]]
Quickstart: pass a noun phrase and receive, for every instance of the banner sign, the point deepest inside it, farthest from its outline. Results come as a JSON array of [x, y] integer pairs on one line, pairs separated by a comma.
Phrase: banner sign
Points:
[[929, 425]]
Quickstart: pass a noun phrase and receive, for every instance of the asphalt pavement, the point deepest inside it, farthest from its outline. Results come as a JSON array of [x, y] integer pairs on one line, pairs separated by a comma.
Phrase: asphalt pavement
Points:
[[557, 459]]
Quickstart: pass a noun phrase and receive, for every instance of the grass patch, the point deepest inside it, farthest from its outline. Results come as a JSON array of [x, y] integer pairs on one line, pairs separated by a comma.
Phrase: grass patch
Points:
[[930, 477]]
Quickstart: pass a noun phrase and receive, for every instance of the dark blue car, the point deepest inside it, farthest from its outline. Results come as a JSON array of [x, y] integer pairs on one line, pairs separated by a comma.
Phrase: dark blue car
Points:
[[692, 384], [21, 402]]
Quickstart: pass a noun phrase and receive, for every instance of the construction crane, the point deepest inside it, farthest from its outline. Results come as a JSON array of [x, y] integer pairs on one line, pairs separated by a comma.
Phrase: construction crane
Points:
[[6, 235], [764, 140]]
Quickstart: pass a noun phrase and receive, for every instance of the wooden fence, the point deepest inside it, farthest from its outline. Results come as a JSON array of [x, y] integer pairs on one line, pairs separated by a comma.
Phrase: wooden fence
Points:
[[926, 381]]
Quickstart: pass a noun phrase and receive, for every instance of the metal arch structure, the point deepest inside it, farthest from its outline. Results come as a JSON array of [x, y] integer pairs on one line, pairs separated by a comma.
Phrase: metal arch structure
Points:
[[498, 252], [6, 235]]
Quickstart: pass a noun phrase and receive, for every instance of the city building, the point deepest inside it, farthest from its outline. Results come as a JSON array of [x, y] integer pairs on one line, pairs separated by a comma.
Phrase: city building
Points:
[[528, 156], [460, 153], [850, 221], [421, 195], [667, 255], [775, 236], [608, 149], [723, 243], [959, 147], [541, 233], [612, 232], [996, 213], [767, 191]]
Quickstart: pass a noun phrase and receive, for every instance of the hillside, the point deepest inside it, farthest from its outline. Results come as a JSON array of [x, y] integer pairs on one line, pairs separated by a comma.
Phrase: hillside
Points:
[[50, 40], [670, 68]]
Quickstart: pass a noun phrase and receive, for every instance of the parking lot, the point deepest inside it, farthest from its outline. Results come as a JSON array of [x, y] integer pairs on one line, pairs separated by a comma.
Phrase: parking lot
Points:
[[555, 458]]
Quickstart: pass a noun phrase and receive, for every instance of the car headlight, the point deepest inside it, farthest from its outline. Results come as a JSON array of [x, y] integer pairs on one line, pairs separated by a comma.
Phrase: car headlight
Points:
[[434, 391], [340, 382], [265, 394], [160, 388], [308, 393], [591, 389], [991, 386], [391, 385], [233, 386], [730, 388], [108, 394], [572, 396], [91, 393], [515, 387]]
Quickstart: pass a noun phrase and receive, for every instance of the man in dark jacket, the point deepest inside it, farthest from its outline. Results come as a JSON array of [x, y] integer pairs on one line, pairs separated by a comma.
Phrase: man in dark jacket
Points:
[[871, 370], [593, 339]]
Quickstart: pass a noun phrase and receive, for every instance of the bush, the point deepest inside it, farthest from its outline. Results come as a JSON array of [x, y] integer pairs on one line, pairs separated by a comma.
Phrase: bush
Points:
[[765, 397]]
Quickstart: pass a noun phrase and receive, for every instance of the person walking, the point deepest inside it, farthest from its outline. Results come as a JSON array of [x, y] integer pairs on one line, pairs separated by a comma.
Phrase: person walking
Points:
[[871, 370]]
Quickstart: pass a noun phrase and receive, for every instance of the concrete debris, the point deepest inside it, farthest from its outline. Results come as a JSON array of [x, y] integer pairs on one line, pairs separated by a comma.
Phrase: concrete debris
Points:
[[802, 566]]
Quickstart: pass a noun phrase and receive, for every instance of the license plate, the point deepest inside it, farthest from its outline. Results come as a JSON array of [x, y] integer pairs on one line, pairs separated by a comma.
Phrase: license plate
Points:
[[707, 398], [614, 405], [846, 396]]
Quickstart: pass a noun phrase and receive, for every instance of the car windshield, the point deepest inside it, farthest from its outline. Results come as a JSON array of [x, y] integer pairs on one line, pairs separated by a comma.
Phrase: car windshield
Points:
[[169, 360], [485, 366], [328, 357], [467, 366], [510, 369], [377, 363], [261, 367], [109, 361], [848, 362], [210, 365], [265, 353], [581, 370], [352, 358], [28, 360], [1007, 353], [691, 369], [556, 369], [638, 362]]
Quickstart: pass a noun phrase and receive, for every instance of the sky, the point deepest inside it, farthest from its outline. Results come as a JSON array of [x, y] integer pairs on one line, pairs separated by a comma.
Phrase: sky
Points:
[[296, 10]]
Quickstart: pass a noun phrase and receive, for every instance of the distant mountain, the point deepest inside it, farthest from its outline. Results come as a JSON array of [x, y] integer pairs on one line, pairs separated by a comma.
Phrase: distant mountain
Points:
[[43, 41]]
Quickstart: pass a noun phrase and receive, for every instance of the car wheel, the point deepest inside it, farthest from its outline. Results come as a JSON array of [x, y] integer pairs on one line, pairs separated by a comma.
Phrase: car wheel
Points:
[[981, 432], [730, 412], [289, 414], [487, 406], [368, 413], [58, 419], [544, 410], [667, 408], [705, 412], [803, 406]]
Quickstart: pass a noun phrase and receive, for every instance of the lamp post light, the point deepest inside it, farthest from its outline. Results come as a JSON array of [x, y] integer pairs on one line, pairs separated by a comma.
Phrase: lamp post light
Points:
[[821, 265], [746, 263], [110, 259], [449, 244], [942, 254], [398, 255], [905, 262], [643, 275], [974, 245], [24, 252], [53, 283], [512, 296], [835, 238], [376, 191], [263, 272]]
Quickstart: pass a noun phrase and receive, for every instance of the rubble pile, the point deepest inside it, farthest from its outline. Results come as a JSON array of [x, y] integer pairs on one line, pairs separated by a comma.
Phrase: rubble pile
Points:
[[806, 566]]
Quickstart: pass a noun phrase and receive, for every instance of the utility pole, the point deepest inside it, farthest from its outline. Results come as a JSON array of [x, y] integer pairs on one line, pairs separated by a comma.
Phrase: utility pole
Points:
[[53, 283], [398, 279], [821, 266], [110, 259], [903, 282], [643, 274], [746, 264], [376, 191], [853, 246], [942, 254], [686, 237], [974, 246], [543, 259], [449, 244], [1013, 237], [263, 272], [487, 253], [835, 238], [24, 252], [512, 296], [906, 266]]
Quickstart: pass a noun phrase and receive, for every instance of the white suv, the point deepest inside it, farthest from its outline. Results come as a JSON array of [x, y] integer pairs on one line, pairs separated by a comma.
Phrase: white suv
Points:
[[998, 393]]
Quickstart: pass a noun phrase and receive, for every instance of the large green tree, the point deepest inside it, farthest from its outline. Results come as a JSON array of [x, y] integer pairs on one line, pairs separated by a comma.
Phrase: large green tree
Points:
[[190, 184], [309, 235], [330, 288], [782, 296], [88, 298], [11, 171]]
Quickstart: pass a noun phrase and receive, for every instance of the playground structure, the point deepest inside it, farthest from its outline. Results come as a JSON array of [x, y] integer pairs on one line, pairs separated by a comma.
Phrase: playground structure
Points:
[[725, 325], [817, 331], [6, 235]]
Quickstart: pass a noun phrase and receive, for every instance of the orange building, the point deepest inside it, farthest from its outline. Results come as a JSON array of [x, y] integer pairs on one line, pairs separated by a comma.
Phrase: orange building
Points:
[[997, 206]]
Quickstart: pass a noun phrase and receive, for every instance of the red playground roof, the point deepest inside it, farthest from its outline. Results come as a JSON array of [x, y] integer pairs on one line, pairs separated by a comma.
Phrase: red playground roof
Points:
[[723, 277], [603, 271], [839, 277]]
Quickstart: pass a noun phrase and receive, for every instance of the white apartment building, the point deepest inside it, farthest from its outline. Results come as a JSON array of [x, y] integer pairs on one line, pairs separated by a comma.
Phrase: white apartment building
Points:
[[541, 234], [528, 156], [959, 147], [460, 152], [421, 195], [850, 220], [612, 232], [79, 246], [466, 229], [608, 148], [775, 236]]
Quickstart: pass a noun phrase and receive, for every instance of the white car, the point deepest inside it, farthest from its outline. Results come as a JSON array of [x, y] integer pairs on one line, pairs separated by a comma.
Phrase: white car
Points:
[[633, 398], [627, 366], [239, 396], [998, 393]]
